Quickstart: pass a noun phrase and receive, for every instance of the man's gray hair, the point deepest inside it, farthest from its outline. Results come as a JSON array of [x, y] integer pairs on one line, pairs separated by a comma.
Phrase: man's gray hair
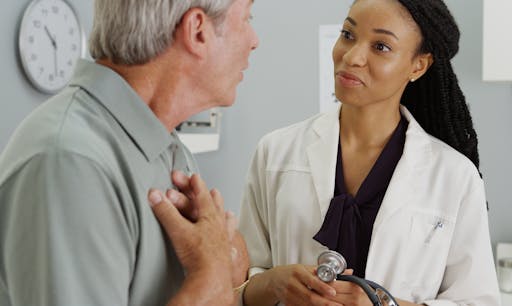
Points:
[[135, 31]]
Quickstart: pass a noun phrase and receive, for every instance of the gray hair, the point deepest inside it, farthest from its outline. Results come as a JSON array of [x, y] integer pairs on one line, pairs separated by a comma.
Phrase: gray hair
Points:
[[133, 32]]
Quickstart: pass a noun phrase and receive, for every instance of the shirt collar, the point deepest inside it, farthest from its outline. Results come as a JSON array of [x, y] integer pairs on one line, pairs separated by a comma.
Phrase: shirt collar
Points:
[[124, 104]]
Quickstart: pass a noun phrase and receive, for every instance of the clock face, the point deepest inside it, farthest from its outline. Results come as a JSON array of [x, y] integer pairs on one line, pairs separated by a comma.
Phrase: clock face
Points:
[[50, 42]]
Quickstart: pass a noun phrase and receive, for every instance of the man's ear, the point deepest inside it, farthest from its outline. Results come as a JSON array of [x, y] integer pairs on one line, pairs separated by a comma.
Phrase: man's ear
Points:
[[421, 64], [193, 31]]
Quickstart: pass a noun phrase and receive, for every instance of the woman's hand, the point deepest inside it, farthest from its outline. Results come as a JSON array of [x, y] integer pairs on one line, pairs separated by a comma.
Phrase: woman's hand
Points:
[[349, 294], [292, 285]]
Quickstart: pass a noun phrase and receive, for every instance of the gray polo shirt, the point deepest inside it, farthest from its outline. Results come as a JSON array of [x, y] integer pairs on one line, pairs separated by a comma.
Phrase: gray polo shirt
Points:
[[75, 224]]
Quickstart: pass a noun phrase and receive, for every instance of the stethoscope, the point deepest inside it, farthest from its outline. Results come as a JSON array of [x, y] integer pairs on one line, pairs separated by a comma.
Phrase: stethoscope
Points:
[[330, 267]]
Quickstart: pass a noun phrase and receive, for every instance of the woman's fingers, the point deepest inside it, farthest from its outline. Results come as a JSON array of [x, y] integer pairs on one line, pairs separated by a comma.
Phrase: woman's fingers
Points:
[[312, 282]]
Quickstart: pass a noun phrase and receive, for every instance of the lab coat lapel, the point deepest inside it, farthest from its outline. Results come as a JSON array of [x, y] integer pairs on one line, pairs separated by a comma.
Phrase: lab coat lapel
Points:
[[401, 190], [322, 153]]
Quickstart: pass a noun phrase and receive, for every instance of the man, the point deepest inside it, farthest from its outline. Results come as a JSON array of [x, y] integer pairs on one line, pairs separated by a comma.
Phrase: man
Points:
[[76, 226]]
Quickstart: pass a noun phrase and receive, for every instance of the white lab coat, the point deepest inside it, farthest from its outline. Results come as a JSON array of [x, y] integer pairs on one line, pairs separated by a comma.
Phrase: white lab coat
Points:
[[290, 185]]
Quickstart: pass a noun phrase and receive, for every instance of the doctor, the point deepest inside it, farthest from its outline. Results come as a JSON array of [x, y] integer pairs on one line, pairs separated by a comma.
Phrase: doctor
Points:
[[390, 180]]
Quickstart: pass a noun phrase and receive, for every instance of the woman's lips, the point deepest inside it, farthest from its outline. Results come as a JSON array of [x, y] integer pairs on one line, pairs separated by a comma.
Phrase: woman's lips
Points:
[[348, 79]]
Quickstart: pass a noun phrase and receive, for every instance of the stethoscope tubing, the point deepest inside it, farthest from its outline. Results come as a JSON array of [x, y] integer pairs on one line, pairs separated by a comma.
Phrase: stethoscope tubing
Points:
[[368, 287]]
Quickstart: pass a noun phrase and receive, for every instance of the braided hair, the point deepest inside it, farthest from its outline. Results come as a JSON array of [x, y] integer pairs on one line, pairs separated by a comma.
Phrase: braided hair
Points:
[[436, 100]]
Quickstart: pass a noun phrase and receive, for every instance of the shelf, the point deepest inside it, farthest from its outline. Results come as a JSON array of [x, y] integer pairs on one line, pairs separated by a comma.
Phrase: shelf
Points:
[[506, 299]]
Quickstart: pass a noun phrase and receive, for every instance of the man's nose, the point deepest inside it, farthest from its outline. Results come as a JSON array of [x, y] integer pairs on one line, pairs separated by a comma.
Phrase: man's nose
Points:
[[255, 40]]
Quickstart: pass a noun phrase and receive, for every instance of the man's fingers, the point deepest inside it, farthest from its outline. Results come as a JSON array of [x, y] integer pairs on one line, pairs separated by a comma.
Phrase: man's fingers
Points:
[[217, 198], [202, 198], [198, 186], [182, 182], [168, 215], [231, 224], [183, 204], [178, 199]]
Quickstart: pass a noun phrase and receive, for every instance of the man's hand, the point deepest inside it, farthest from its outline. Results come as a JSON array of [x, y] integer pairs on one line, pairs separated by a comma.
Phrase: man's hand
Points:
[[182, 198], [182, 201], [239, 260], [202, 246]]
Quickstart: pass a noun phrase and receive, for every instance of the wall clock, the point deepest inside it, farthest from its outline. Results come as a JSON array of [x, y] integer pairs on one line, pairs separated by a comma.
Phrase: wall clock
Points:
[[51, 39]]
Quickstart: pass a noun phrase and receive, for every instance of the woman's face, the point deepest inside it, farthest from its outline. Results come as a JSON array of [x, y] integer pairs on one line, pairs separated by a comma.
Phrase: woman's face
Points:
[[375, 55]]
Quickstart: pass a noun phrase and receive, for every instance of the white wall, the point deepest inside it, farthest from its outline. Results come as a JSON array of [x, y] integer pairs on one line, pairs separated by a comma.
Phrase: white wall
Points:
[[497, 62], [281, 87]]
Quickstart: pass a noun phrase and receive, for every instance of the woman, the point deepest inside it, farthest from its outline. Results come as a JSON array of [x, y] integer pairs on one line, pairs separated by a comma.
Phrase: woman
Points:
[[390, 180]]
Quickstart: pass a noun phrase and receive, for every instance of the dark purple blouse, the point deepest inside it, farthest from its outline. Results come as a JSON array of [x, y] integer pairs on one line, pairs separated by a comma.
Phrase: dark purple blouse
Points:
[[348, 224]]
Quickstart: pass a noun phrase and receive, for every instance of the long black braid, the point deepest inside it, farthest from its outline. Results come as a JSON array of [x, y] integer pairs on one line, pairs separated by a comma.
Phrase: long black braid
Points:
[[436, 100]]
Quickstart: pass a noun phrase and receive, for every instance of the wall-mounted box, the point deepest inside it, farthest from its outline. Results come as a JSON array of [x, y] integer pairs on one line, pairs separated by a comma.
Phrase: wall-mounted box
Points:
[[497, 40], [201, 132]]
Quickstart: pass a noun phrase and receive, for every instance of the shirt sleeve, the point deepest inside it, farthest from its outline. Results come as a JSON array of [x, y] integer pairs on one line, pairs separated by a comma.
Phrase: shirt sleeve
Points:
[[470, 276], [65, 238], [253, 215]]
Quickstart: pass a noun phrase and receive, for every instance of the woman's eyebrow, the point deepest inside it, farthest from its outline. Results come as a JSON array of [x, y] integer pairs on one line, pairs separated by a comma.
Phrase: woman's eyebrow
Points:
[[380, 31], [352, 21], [387, 32]]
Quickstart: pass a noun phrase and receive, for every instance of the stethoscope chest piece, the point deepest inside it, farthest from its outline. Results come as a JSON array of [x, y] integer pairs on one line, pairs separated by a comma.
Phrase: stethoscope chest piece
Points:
[[330, 264]]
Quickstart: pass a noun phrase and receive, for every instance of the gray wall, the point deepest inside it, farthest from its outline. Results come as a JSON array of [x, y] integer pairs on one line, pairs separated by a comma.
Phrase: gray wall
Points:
[[18, 97], [281, 87]]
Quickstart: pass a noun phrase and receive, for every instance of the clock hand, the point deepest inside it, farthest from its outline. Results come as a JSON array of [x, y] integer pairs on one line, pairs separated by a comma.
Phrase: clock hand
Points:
[[54, 44], [55, 60]]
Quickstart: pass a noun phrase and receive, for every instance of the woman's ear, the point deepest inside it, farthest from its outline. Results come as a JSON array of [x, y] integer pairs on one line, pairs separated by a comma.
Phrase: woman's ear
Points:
[[421, 63]]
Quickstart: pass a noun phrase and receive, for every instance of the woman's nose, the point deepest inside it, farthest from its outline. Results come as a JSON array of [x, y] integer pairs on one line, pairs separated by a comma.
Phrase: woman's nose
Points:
[[355, 56]]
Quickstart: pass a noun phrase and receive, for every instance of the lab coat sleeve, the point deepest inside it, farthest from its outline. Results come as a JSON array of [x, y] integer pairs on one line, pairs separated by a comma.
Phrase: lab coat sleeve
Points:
[[470, 277], [254, 214]]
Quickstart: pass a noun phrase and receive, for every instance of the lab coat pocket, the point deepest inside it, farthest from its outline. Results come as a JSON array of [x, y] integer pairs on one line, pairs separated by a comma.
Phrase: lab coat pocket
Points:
[[427, 251]]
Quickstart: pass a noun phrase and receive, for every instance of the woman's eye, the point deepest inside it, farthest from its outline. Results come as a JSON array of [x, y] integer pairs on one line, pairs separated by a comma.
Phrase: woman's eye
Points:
[[382, 47], [346, 34]]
